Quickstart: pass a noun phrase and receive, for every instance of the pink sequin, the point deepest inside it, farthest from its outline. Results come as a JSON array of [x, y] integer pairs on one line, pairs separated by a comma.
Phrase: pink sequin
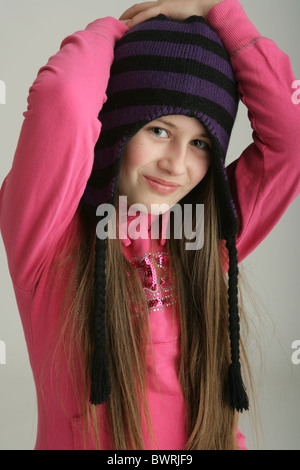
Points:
[[154, 272]]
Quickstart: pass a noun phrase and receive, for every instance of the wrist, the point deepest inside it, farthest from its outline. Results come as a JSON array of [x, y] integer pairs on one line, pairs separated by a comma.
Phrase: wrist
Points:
[[208, 5]]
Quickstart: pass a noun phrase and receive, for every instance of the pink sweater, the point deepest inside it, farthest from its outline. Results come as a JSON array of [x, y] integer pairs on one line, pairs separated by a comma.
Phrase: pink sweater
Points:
[[52, 163]]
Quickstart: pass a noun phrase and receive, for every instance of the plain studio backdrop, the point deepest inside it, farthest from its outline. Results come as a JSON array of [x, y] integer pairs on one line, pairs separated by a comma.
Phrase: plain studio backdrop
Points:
[[30, 32]]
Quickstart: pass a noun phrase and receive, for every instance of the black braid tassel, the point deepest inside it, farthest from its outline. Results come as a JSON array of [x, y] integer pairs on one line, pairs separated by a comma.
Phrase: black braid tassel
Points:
[[100, 380], [236, 391]]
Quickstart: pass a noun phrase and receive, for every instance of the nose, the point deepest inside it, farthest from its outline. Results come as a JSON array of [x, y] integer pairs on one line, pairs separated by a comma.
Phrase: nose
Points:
[[173, 159]]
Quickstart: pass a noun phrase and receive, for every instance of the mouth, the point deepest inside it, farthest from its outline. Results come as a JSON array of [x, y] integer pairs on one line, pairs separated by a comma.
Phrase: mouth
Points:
[[161, 186]]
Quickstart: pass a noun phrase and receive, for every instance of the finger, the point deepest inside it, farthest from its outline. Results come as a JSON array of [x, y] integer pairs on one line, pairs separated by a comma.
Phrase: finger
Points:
[[143, 16], [124, 22], [136, 9]]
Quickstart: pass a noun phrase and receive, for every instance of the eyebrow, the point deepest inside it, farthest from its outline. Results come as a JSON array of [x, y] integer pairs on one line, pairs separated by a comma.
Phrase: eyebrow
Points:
[[168, 123]]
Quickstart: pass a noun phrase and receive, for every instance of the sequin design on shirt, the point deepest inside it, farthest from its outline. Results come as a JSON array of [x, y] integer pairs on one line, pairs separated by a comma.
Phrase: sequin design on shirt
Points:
[[154, 273]]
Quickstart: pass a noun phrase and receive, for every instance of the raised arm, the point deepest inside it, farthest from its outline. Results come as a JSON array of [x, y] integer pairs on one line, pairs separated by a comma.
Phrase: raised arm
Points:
[[266, 177], [55, 151]]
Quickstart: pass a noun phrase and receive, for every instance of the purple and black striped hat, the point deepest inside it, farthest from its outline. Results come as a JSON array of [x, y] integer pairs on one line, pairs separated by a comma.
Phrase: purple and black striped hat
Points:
[[166, 67]]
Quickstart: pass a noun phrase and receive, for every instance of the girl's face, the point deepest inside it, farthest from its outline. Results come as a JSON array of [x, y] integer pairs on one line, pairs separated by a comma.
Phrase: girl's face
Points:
[[164, 161]]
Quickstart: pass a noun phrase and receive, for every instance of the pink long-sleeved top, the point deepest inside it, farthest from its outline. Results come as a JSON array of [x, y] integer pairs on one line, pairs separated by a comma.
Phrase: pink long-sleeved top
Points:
[[52, 164]]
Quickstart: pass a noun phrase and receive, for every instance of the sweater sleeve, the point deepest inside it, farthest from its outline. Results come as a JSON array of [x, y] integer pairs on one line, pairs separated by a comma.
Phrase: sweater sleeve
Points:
[[265, 179], [55, 150]]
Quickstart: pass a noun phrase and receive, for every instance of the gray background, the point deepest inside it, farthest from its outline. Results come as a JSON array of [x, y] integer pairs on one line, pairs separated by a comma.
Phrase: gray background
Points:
[[30, 32]]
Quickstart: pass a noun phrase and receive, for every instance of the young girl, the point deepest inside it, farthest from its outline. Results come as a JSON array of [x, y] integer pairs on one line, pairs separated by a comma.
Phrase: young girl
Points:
[[134, 342]]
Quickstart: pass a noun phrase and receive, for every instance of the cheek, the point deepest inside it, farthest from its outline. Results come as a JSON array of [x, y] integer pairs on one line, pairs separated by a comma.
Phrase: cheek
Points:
[[134, 158], [198, 172]]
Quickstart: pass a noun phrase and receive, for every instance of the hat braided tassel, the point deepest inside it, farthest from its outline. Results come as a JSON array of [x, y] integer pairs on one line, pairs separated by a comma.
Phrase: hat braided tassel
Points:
[[236, 391], [100, 380]]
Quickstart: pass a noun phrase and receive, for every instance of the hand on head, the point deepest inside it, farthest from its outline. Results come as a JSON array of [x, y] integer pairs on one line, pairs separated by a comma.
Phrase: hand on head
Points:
[[176, 9]]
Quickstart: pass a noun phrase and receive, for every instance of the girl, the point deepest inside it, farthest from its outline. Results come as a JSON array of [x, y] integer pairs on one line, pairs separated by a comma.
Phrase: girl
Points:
[[128, 338]]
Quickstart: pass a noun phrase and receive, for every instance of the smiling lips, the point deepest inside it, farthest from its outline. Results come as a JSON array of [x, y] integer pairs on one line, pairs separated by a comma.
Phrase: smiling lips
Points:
[[161, 186]]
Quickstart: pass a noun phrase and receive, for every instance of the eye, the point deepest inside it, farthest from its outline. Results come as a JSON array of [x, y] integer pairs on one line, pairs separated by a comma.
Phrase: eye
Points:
[[158, 132]]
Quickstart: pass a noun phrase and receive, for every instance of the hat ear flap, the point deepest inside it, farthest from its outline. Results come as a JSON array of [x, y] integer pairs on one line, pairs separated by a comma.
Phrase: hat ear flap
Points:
[[228, 227]]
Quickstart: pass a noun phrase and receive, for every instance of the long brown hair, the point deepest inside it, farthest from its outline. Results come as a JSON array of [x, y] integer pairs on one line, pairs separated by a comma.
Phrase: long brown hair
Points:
[[201, 288]]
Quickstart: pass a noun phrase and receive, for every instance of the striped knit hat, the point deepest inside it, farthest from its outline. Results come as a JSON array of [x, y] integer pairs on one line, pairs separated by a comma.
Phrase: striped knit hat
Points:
[[166, 67]]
